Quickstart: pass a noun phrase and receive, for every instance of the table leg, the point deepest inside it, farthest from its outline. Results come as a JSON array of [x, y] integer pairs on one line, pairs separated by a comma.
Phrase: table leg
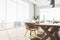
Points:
[[49, 34]]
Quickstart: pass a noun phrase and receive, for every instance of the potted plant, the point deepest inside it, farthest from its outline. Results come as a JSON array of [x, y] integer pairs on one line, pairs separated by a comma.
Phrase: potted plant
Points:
[[36, 19]]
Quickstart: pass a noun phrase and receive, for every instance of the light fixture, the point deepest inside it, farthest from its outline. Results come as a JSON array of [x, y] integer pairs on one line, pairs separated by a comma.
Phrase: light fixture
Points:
[[52, 2]]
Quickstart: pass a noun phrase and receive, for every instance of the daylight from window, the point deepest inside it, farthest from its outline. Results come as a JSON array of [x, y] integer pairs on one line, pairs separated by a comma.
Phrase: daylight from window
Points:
[[50, 14], [13, 12]]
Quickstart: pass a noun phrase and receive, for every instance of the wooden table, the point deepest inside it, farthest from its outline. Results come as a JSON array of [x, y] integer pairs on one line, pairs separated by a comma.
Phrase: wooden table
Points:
[[54, 29]]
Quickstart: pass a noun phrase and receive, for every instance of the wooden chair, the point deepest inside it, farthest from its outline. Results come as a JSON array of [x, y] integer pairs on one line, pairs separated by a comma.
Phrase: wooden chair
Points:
[[35, 39], [31, 28]]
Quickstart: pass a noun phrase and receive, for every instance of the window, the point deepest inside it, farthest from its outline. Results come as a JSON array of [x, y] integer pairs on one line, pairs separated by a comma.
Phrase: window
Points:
[[50, 14], [12, 11]]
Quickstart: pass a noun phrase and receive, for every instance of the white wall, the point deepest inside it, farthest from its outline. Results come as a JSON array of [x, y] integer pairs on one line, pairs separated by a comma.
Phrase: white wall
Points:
[[31, 9], [37, 11]]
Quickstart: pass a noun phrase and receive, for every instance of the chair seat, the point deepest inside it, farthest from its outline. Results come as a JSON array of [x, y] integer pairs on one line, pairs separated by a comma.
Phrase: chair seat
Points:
[[35, 39]]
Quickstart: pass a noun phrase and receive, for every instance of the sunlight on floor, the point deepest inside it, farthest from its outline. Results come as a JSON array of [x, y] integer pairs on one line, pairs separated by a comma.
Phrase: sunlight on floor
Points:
[[13, 34]]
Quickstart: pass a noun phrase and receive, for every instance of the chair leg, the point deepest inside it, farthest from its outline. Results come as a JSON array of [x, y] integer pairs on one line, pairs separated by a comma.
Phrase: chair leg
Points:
[[32, 31], [30, 34], [26, 33], [35, 32]]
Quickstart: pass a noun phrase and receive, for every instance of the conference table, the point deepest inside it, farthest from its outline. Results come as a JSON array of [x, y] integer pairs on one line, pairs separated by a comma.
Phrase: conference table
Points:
[[45, 27]]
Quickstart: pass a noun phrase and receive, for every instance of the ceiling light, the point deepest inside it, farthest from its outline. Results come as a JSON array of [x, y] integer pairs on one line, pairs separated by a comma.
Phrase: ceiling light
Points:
[[52, 2]]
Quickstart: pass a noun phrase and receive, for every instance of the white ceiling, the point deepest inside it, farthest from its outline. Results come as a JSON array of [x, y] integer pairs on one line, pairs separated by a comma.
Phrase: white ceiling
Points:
[[45, 3]]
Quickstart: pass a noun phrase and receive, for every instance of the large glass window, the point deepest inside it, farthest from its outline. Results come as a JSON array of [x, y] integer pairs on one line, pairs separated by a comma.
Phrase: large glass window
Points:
[[50, 14], [13, 13]]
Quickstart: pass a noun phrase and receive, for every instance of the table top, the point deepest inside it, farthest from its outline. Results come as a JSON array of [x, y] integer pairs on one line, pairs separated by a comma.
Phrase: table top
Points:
[[49, 25], [46, 24]]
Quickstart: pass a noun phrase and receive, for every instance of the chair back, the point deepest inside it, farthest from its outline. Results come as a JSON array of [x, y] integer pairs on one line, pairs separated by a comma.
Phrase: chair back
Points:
[[29, 26]]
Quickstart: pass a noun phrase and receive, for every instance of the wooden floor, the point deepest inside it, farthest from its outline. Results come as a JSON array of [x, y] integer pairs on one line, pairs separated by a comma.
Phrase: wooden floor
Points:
[[15, 34]]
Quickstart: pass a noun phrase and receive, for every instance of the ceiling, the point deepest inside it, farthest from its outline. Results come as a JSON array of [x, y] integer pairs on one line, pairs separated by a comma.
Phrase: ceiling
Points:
[[45, 3]]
